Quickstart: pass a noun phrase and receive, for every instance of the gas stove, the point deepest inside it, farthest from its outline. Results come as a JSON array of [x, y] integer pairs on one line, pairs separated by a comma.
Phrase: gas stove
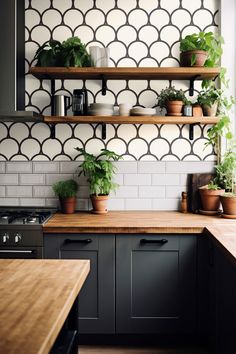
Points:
[[24, 217], [21, 231]]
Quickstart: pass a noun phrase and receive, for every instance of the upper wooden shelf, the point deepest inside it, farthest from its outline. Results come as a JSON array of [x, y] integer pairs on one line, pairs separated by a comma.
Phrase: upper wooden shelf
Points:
[[132, 73], [131, 119]]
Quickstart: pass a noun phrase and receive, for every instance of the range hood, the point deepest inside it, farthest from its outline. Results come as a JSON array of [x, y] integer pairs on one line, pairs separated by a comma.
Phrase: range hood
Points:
[[12, 62]]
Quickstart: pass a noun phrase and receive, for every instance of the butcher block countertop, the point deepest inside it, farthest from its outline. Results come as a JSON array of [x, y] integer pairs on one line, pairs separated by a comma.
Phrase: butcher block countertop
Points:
[[131, 222], [35, 299]]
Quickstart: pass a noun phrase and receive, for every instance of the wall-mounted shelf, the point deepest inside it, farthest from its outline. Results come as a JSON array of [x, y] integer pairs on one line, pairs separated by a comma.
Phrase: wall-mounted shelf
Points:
[[192, 121]]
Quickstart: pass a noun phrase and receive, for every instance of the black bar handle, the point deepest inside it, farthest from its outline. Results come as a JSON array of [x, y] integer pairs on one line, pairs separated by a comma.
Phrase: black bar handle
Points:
[[162, 241], [85, 240]]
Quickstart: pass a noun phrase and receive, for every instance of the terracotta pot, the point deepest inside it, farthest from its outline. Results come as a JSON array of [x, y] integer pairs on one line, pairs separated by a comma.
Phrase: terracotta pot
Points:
[[99, 203], [210, 198], [228, 204], [210, 111], [68, 205], [201, 57], [174, 108], [197, 110]]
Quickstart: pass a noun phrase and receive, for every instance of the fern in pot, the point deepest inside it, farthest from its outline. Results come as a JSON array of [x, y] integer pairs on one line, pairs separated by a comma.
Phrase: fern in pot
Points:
[[66, 191], [99, 171]]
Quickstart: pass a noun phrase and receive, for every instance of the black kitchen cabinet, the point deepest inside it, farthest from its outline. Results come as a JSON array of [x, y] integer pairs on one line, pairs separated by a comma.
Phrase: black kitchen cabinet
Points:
[[221, 300], [97, 298], [156, 284]]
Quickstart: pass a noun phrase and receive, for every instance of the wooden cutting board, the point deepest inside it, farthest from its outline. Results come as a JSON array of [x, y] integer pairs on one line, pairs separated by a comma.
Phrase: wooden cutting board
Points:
[[195, 181]]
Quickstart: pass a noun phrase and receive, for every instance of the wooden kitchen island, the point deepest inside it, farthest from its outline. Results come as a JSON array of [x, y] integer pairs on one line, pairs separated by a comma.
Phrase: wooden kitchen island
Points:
[[36, 297]]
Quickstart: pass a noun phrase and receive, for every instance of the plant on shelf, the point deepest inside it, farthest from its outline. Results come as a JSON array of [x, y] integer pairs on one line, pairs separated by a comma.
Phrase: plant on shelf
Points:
[[201, 49], [172, 100], [71, 52], [99, 171], [66, 191], [210, 99]]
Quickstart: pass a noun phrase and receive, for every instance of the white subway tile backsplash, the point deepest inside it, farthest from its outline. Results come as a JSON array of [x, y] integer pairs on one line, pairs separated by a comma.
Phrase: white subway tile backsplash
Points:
[[9, 201], [116, 204], [83, 192], [126, 166], [2, 167], [137, 179], [8, 179], [166, 204], [38, 202], [152, 192], [126, 192], [52, 202], [174, 191], [151, 167], [17, 167], [189, 167], [82, 204], [165, 179], [138, 204], [43, 192], [18, 191], [51, 178], [32, 179], [69, 166], [46, 167], [2, 191]]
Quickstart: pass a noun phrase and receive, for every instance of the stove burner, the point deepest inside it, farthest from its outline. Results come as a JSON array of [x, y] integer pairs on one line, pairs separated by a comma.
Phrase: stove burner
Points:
[[25, 217], [31, 219], [5, 216]]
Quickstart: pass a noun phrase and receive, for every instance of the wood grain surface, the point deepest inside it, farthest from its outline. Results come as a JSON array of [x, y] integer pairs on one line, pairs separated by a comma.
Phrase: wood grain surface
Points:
[[35, 299]]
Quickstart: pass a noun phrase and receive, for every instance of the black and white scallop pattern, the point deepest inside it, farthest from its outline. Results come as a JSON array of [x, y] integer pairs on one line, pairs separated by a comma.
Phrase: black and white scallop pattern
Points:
[[138, 33]]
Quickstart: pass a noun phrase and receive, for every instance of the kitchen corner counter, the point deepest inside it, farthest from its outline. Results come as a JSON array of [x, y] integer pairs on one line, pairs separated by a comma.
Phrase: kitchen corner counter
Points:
[[35, 299], [131, 222]]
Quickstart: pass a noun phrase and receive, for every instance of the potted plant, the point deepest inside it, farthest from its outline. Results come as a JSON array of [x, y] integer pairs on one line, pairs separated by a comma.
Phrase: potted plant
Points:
[[66, 191], [209, 99], [99, 171], [172, 100], [210, 198], [201, 49], [71, 52]]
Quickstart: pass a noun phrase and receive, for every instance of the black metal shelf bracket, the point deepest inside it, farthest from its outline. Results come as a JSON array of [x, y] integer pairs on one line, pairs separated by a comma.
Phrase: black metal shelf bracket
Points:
[[191, 130], [52, 96], [104, 85], [191, 85], [52, 131], [104, 131]]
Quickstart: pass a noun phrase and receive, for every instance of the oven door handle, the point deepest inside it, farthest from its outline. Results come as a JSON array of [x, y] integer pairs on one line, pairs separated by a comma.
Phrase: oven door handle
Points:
[[17, 251]]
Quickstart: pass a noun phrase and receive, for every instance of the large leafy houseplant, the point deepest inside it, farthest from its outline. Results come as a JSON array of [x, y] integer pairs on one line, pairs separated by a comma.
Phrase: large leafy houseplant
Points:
[[208, 44], [71, 52], [66, 191], [99, 171]]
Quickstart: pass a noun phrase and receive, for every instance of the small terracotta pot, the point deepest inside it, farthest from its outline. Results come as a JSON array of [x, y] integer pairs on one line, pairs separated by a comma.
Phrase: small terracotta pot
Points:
[[228, 204], [197, 110], [68, 205], [210, 198], [99, 203], [210, 111], [174, 108], [185, 57]]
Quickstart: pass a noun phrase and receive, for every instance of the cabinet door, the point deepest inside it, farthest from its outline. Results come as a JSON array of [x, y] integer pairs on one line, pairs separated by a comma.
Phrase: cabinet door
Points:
[[96, 299], [155, 283]]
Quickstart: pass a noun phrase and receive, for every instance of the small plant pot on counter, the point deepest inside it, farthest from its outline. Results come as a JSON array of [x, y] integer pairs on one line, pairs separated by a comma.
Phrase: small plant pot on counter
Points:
[[67, 205], [99, 203], [228, 201], [210, 199]]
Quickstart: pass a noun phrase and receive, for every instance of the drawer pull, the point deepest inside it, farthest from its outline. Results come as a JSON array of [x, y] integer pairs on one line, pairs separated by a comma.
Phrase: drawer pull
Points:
[[162, 241], [86, 241]]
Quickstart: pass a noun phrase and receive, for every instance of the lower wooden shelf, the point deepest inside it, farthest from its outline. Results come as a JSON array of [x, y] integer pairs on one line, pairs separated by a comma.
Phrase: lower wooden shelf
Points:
[[131, 119]]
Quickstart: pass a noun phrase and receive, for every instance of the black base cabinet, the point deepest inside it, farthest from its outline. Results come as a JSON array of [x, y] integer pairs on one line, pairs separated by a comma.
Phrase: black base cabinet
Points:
[[155, 284], [97, 298]]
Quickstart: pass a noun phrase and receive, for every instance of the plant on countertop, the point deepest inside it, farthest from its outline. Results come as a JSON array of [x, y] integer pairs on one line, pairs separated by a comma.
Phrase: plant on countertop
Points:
[[208, 42], [71, 52], [66, 191], [99, 171]]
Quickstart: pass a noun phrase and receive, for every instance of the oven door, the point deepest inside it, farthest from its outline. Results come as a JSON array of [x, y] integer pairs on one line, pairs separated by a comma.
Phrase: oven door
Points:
[[21, 252]]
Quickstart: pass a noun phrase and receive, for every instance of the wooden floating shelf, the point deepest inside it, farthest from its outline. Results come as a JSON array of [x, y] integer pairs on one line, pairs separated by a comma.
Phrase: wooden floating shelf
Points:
[[126, 73], [131, 119]]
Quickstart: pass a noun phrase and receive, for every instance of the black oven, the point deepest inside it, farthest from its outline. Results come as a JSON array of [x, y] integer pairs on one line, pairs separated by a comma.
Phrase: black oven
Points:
[[21, 233]]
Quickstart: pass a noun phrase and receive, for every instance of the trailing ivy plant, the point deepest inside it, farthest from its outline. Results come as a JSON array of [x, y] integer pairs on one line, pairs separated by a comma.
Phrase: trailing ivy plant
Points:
[[99, 171]]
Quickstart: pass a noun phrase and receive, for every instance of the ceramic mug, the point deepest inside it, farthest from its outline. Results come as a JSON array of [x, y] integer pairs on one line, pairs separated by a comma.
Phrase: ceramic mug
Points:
[[124, 109]]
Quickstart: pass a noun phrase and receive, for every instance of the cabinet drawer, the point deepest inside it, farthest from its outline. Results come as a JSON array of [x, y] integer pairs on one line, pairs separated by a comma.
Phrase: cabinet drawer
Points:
[[154, 241]]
